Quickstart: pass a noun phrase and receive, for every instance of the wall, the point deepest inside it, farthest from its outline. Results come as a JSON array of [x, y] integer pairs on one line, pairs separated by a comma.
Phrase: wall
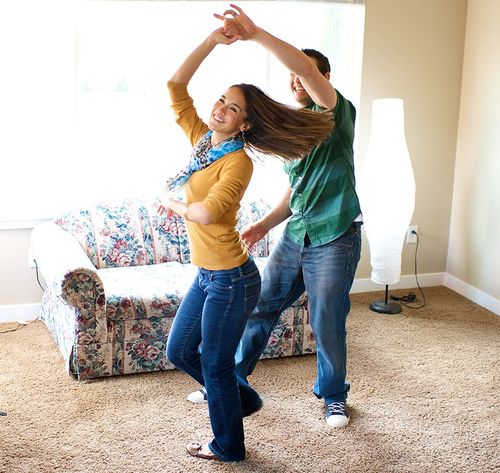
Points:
[[18, 284], [474, 249], [413, 50]]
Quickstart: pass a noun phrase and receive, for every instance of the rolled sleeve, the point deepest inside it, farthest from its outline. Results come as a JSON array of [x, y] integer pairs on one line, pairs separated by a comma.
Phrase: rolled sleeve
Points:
[[185, 113]]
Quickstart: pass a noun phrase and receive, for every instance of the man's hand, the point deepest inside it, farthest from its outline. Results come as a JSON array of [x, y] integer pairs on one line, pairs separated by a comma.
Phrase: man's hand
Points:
[[237, 23], [252, 233]]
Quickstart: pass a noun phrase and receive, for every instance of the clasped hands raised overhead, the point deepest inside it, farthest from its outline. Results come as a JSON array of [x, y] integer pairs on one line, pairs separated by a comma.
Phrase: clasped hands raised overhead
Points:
[[236, 24]]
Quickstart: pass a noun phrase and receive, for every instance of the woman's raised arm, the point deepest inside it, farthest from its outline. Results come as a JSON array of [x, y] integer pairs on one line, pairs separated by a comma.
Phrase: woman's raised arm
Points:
[[191, 64]]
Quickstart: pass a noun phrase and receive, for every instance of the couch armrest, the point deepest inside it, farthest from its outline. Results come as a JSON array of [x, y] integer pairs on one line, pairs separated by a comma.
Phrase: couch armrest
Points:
[[60, 258], [71, 276]]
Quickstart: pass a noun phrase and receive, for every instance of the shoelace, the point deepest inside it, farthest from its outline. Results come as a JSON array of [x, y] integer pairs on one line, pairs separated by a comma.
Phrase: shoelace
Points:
[[336, 408]]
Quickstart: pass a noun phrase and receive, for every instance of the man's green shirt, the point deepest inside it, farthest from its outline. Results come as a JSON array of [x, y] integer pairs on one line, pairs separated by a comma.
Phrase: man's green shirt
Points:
[[324, 202]]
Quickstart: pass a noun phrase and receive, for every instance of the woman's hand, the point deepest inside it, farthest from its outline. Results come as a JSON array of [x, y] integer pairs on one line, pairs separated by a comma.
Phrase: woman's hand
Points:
[[237, 23], [219, 36], [162, 208]]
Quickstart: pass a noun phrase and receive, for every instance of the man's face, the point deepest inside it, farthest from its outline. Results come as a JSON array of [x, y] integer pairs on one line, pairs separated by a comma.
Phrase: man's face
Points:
[[299, 93]]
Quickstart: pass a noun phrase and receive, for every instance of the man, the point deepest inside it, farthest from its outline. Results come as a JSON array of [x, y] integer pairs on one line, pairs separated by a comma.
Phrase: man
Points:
[[320, 248]]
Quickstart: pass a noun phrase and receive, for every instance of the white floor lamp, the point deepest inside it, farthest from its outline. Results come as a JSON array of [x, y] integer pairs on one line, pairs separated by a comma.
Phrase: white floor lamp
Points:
[[387, 194]]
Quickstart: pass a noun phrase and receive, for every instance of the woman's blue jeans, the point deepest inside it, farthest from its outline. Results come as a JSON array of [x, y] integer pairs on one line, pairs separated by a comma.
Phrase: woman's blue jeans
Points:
[[214, 312], [326, 273]]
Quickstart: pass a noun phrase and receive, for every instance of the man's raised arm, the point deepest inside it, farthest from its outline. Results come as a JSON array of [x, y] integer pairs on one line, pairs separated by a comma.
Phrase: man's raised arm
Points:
[[321, 91]]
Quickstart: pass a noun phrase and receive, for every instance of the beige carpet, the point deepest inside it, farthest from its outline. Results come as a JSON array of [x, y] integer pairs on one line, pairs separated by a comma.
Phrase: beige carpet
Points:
[[424, 398]]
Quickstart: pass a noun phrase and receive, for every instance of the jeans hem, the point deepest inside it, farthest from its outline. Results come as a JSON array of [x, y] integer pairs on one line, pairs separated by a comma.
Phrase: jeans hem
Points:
[[222, 457]]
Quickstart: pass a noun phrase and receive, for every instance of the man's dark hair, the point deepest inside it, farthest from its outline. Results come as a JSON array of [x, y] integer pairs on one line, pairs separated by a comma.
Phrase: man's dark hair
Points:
[[323, 62]]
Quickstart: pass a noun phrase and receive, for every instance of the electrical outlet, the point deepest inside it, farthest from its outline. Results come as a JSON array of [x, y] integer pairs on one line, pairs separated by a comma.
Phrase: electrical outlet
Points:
[[411, 234]]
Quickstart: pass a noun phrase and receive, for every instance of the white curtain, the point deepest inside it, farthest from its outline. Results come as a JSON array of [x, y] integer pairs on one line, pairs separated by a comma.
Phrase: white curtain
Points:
[[85, 112]]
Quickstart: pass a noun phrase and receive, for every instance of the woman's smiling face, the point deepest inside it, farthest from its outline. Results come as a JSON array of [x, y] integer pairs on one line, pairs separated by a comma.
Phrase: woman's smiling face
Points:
[[228, 116]]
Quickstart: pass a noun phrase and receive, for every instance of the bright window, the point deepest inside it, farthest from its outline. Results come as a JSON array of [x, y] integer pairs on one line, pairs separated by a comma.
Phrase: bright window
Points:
[[88, 111]]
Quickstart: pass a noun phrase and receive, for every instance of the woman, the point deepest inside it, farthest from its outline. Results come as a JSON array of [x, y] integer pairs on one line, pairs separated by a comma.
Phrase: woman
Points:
[[226, 289]]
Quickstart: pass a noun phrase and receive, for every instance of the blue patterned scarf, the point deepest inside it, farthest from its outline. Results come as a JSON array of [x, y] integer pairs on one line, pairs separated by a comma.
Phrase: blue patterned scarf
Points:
[[203, 155]]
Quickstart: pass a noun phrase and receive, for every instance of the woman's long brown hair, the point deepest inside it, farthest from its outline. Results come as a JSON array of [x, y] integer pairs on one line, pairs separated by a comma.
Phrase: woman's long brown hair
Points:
[[281, 130]]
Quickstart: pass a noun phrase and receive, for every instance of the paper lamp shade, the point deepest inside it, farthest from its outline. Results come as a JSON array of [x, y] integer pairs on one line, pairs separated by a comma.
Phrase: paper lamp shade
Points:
[[387, 190]]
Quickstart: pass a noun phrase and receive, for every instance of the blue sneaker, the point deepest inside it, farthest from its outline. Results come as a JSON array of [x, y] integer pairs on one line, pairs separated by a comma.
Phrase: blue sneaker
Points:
[[337, 414]]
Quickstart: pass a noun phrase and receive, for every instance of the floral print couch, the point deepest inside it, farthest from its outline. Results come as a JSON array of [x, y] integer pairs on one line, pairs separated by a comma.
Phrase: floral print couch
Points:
[[115, 274]]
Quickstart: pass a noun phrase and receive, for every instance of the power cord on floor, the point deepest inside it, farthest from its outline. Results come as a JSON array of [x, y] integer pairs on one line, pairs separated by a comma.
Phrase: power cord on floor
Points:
[[19, 325], [412, 297]]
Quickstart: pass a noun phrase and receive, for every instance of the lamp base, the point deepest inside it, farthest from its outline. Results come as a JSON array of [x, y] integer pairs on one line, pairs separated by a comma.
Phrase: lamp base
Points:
[[383, 307]]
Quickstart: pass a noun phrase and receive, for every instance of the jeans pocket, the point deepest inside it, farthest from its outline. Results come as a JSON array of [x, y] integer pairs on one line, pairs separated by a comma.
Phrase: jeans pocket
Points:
[[347, 239], [222, 282], [244, 277], [252, 293]]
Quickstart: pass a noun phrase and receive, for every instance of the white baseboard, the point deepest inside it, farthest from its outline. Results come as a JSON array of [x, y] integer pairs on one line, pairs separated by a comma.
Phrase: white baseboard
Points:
[[473, 294], [430, 280], [19, 312], [405, 282]]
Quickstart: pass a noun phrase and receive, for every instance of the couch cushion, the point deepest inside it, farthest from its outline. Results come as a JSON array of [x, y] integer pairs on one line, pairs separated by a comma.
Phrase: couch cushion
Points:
[[142, 292], [124, 233]]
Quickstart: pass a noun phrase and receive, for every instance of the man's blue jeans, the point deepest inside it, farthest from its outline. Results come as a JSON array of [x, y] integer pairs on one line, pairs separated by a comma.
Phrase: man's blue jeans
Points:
[[326, 273], [214, 312]]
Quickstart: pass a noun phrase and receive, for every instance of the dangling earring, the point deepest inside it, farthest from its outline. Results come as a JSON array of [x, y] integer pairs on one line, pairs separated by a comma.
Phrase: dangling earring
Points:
[[243, 135]]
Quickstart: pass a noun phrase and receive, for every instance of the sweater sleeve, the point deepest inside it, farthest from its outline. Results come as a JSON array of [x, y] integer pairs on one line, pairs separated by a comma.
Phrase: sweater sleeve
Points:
[[229, 189], [185, 113]]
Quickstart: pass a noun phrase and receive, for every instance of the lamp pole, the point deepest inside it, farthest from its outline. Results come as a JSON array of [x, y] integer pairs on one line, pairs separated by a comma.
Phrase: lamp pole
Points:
[[386, 307]]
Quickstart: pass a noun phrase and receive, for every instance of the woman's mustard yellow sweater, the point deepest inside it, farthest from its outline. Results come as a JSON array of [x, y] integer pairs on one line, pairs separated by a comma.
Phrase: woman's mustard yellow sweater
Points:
[[219, 187]]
